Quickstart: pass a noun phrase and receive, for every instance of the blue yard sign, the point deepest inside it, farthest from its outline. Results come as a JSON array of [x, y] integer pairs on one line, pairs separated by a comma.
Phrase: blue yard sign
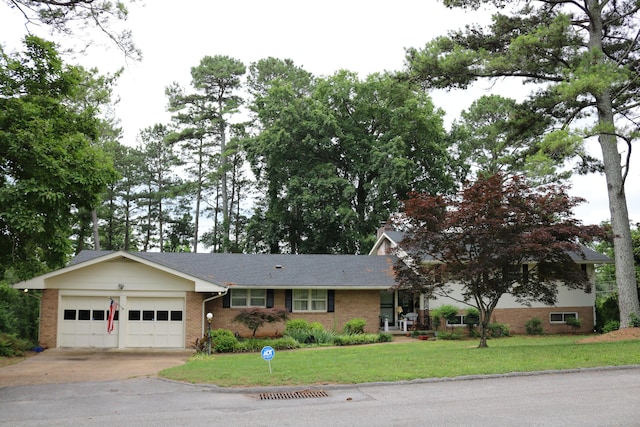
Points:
[[267, 354]]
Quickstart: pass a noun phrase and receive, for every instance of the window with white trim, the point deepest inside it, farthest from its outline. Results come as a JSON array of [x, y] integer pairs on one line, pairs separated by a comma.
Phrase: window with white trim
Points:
[[310, 300], [248, 297], [562, 317], [460, 320]]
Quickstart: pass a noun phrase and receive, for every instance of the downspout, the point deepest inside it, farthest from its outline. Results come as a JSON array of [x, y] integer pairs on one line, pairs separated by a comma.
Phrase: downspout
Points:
[[204, 302]]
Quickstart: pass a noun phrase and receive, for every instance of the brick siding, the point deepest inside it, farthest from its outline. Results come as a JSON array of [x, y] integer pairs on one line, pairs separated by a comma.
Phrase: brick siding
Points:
[[49, 318], [349, 304]]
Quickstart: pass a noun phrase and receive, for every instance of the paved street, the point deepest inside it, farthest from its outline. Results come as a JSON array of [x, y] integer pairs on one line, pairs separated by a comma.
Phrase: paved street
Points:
[[609, 397]]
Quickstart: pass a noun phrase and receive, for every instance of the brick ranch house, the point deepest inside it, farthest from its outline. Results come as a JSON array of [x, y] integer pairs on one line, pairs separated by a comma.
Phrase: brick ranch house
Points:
[[162, 298]]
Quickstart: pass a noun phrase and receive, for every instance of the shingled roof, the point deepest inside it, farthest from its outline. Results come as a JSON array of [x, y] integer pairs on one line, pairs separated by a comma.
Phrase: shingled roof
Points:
[[588, 256], [273, 271]]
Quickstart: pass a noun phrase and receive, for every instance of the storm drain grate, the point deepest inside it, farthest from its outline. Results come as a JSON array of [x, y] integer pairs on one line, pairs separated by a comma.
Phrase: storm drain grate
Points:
[[303, 394]]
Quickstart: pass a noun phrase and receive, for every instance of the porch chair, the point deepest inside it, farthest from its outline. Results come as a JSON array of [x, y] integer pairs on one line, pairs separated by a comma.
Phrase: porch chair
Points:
[[411, 319]]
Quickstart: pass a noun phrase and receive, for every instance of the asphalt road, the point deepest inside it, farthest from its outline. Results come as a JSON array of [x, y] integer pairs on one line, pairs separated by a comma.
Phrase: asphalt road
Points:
[[600, 397]]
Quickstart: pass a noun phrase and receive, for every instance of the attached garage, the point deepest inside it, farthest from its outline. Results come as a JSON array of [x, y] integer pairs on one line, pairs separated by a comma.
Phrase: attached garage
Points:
[[158, 306]]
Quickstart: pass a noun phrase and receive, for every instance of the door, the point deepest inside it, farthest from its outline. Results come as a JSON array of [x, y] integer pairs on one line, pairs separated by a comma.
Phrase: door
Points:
[[84, 323], [155, 322], [387, 308]]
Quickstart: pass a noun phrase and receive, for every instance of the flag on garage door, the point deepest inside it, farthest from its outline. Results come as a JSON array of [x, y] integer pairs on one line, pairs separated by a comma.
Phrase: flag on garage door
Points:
[[112, 315]]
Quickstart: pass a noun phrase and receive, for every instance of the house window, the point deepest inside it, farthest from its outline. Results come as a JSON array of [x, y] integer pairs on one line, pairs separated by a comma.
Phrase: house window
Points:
[[460, 320], [562, 317], [309, 300], [248, 298]]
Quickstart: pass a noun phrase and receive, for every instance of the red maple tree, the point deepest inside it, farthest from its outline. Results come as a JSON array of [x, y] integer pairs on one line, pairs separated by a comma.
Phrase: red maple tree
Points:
[[497, 236]]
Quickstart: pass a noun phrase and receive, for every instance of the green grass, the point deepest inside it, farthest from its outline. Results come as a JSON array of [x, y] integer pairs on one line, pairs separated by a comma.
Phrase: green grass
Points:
[[403, 361]]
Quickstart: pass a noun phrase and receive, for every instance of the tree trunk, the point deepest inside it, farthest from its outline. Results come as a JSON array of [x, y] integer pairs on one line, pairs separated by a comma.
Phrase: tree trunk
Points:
[[96, 234], [622, 243]]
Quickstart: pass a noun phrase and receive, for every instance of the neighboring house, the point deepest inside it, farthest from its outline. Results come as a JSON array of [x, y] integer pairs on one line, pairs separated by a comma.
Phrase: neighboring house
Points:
[[570, 303], [163, 298]]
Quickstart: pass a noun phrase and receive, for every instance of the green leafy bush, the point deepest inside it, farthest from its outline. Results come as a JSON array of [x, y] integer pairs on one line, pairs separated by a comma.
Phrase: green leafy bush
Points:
[[610, 326], [254, 345], [356, 339], [634, 320], [11, 345], [355, 326], [534, 326], [498, 330], [385, 337], [308, 333], [223, 341], [453, 335], [448, 312], [574, 322], [607, 310]]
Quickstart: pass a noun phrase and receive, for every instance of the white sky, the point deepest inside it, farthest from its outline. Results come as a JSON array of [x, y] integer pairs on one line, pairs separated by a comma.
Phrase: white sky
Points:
[[322, 37]]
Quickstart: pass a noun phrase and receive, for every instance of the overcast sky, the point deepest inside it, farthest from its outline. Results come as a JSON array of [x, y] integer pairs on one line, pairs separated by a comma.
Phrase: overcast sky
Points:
[[322, 37]]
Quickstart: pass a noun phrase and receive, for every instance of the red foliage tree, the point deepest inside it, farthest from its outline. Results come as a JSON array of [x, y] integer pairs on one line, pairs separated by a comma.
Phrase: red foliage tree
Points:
[[481, 238], [254, 318]]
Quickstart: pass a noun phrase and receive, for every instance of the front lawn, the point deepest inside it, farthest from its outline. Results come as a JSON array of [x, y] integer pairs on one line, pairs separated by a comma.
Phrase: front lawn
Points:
[[403, 361]]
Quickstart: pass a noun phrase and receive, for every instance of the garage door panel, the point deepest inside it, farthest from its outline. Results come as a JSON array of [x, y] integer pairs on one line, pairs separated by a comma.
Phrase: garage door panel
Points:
[[155, 322], [84, 323]]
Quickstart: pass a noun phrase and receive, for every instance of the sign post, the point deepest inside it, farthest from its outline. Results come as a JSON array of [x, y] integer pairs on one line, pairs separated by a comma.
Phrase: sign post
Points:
[[267, 354]]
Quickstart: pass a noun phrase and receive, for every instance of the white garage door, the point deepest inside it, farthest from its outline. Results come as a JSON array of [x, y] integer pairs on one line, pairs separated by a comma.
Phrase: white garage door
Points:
[[155, 322], [84, 323]]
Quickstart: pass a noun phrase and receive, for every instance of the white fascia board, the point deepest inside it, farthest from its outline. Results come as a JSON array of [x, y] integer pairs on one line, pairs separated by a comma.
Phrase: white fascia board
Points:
[[38, 282], [379, 241], [208, 287]]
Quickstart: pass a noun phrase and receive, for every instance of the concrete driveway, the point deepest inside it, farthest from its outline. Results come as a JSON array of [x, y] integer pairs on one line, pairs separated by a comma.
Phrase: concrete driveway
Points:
[[57, 366]]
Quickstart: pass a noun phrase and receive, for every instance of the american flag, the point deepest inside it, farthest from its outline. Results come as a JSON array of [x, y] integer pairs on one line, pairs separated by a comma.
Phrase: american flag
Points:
[[112, 315]]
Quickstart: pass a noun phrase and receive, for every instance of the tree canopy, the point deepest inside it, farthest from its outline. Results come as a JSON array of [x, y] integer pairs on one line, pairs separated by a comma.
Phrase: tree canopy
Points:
[[334, 155], [48, 166], [68, 17], [498, 236], [583, 60]]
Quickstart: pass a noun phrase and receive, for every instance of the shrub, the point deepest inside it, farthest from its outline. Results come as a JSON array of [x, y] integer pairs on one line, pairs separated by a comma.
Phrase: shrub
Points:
[[254, 345], [11, 345], [574, 322], [223, 341], [322, 336], [634, 320], [354, 326], [498, 330], [534, 326], [454, 335], [610, 326], [356, 339], [308, 333], [447, 312], [606, 310], [297, 325], [385, 337]]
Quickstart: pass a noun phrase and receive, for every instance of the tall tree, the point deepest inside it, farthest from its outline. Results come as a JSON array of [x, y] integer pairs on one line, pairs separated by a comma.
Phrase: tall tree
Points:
[[336, 155], [480, 240], [161, 182], [494, 136], [207, 115], [48, 166], [583, 58], [120, 203], [71, 16]]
